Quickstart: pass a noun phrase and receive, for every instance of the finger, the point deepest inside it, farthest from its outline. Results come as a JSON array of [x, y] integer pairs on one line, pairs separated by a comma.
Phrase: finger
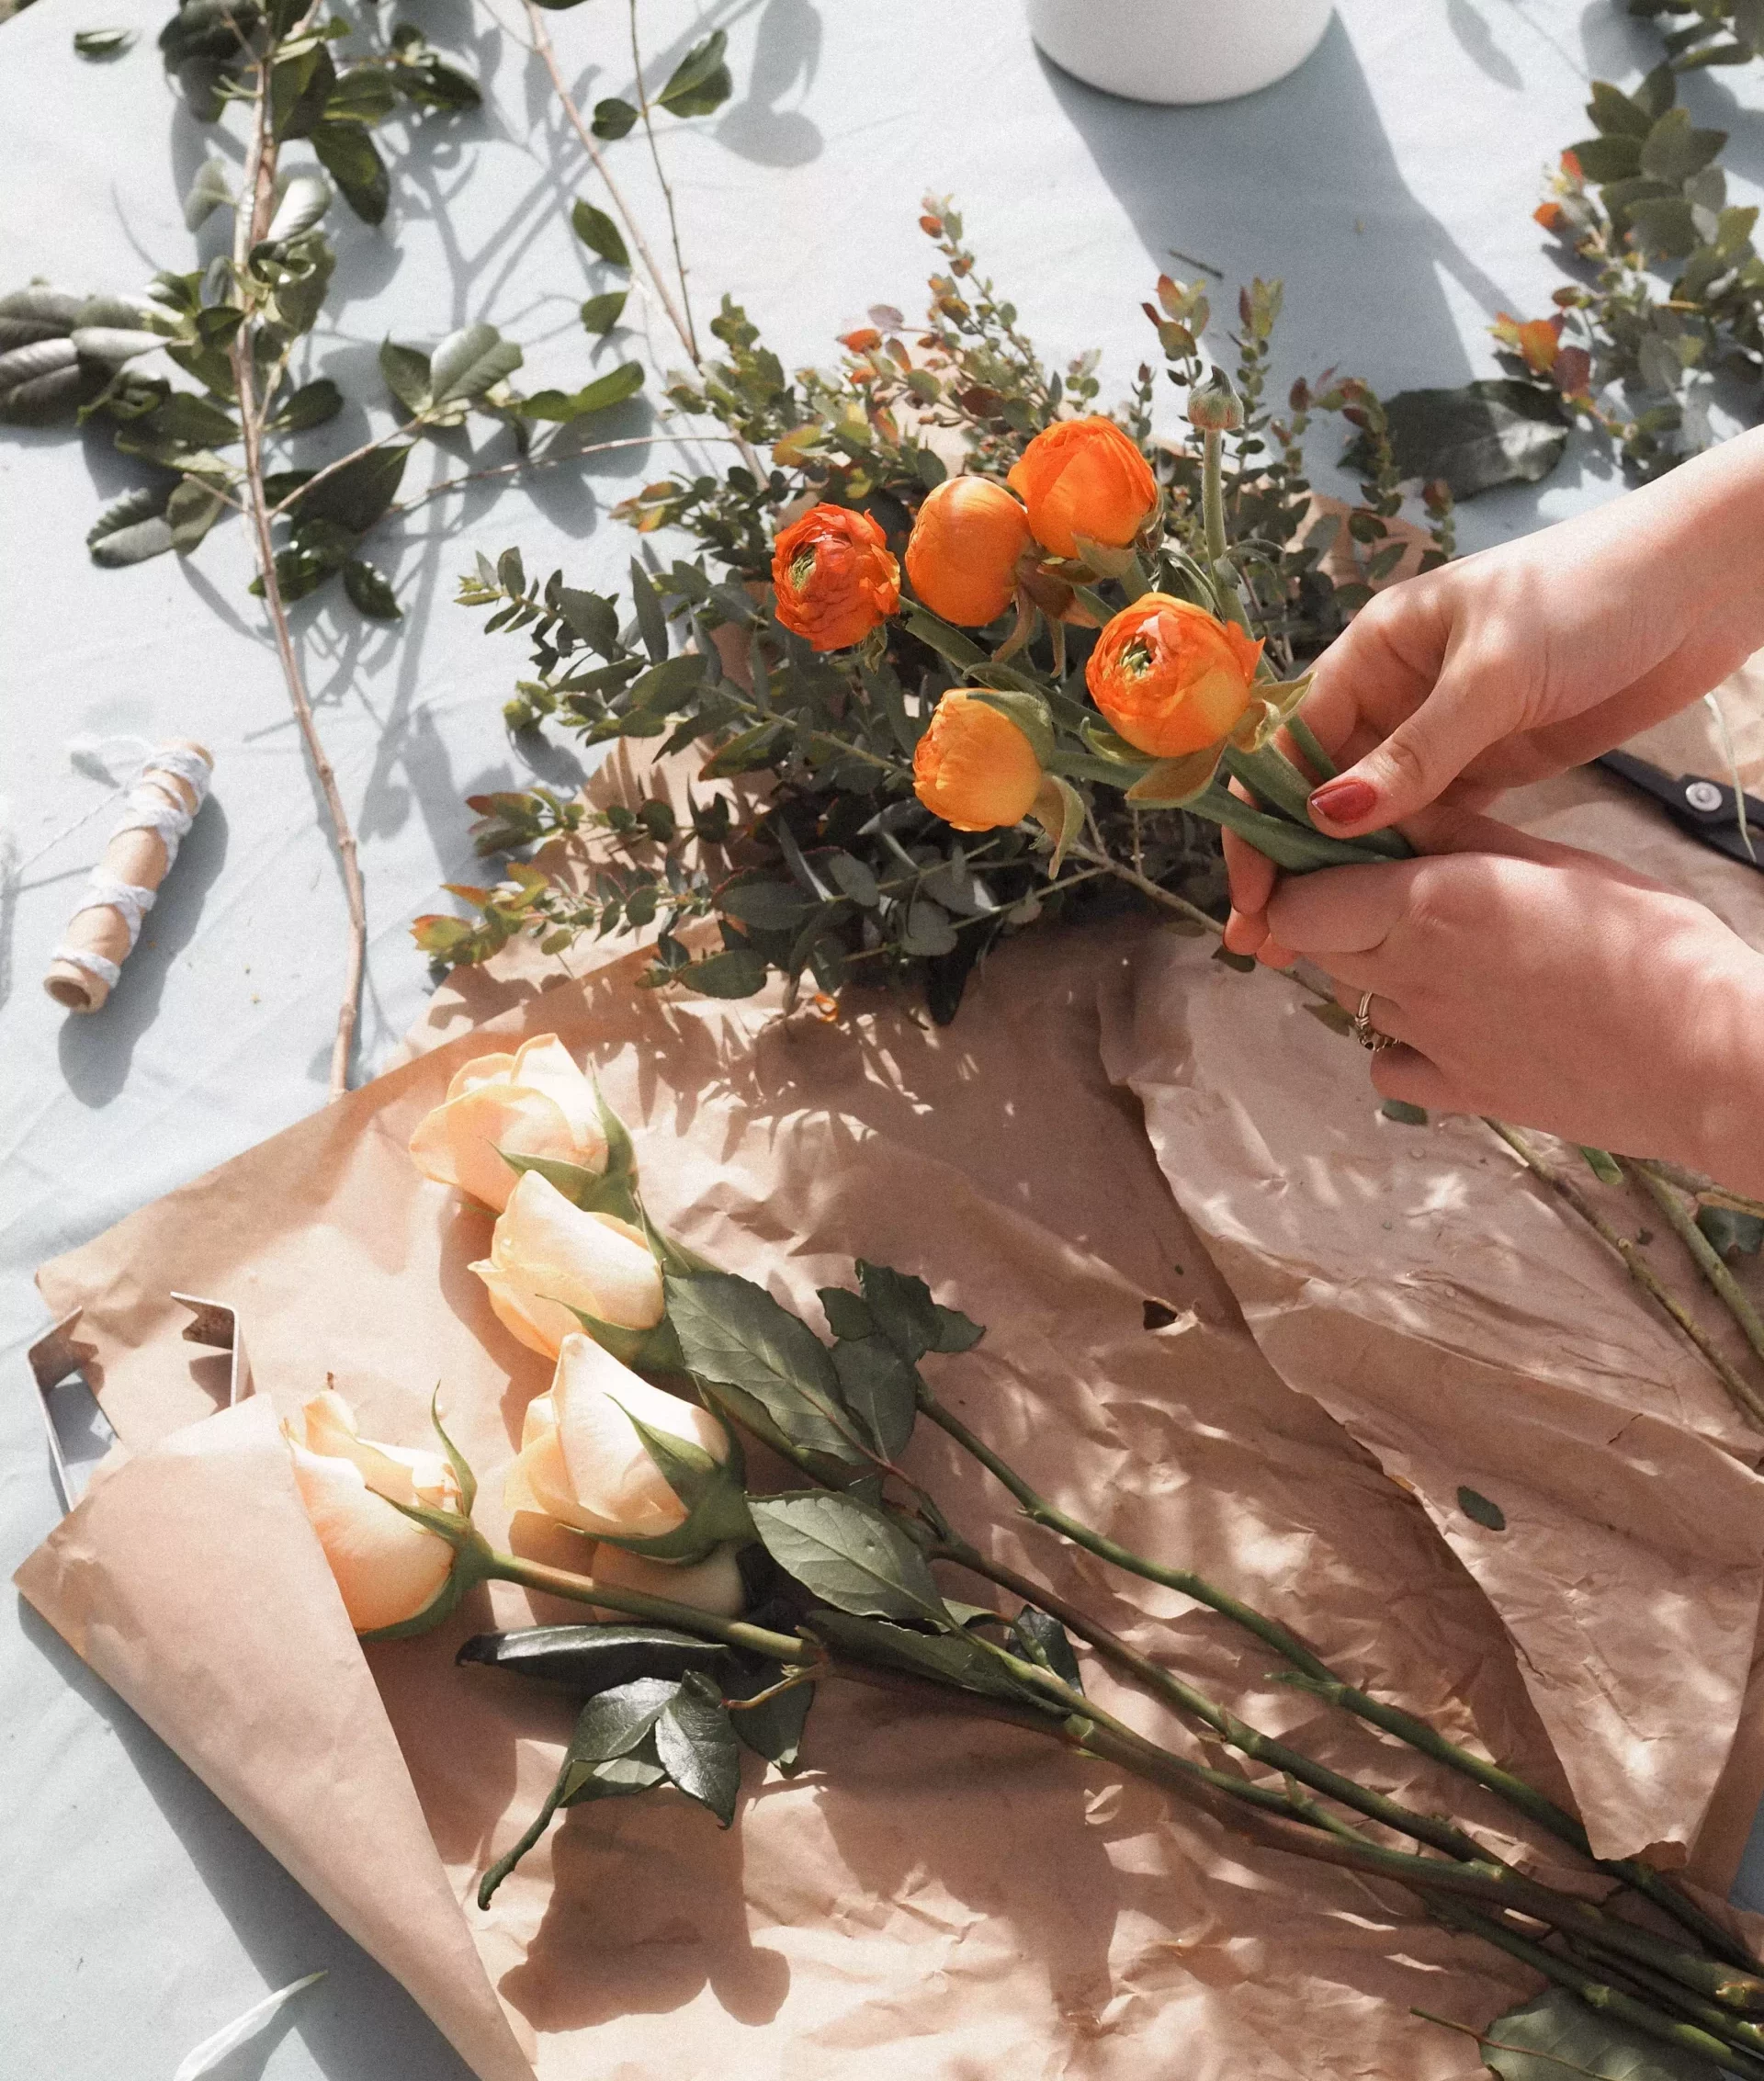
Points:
[[1384, 1014], [1407, 1074], [1448, 829], [1342, 909], [1251, 876], [1245, 934], [1272, 954], [1414, 765]]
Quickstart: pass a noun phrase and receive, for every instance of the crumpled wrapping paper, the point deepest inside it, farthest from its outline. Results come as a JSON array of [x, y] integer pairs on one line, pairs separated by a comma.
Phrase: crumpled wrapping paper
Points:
[[933, 1888]]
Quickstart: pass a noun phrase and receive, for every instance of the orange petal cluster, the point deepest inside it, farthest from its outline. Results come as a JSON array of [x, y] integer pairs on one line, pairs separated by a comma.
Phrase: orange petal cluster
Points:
[[1084, 477], [965, 545], [1169, 677], [974, 767], [834, 576]]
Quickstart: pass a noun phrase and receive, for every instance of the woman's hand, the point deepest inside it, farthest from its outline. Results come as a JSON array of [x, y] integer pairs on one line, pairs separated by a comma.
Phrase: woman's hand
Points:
[[1533, 657], [1550, 988]]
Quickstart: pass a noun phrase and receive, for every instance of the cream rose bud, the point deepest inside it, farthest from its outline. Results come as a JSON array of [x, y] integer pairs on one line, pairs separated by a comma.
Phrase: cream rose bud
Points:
[[388, 1567], [712, 1584], [547, 1257], [533, 1102], [582, 1460]]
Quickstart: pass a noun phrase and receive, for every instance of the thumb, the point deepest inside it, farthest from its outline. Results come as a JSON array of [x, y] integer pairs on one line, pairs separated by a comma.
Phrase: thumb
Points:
[[1412, 769]]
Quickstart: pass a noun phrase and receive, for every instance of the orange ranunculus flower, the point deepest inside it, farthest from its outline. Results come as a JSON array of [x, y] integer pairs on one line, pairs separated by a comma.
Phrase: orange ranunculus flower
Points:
[[1084, 477], [1169, 677], [974, 767], [962, 558], [835, 577]]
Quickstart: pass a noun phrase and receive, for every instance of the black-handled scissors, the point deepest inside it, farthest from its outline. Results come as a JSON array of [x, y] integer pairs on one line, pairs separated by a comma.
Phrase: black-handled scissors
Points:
[[1703, 808]]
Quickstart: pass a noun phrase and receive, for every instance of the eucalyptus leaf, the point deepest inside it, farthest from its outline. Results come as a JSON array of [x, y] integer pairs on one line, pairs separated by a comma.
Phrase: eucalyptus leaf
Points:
[[371, 590], [601, 313], [102, 42], [351, 158], [1496, 431], [849, 1555], [612, 118], [738, 971], [130, 531], [303, 202], [211, 190], [597, 231], [470, 361], [700, 82]]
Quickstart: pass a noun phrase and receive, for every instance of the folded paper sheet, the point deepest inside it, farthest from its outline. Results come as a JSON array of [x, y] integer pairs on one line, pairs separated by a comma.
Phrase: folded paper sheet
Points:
[[932, 1888]]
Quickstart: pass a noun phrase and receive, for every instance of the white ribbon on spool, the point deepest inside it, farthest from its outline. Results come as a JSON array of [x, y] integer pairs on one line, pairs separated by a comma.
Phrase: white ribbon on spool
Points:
[[154, 805]]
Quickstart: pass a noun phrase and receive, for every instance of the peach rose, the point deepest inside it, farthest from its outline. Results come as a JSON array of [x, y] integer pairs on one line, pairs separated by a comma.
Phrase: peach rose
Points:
[[974, 767], [1084, 477], [582, 1460], [962, 557], [1169, 677], [533, 1102], [547, 1257], [835, 577], [388, 1567]]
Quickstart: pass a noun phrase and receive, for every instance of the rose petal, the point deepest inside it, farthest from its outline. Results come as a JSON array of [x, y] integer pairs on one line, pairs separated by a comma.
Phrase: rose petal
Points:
[[458, 1143], [387, 1567], [545, 1065]]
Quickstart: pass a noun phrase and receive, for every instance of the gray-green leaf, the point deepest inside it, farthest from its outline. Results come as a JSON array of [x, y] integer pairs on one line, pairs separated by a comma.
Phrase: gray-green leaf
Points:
[[102, 42], [1495, 430], [601, 313], [304, 201], [881, 1391], [130, 531], [852, 1556], [701, 81], [738, 971], [406, 370], [310, 405], [371, 592], [1556, 2036], [597, 231], [470, 361], [210, 190], [192, 509], [613, 117], [1477, 1507]]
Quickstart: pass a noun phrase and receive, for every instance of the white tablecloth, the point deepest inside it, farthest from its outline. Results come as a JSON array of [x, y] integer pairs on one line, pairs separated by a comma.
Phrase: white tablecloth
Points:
[[1390, 183]]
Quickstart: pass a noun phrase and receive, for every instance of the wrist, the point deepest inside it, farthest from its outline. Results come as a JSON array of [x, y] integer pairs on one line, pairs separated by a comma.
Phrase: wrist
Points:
[[1725, 1072]]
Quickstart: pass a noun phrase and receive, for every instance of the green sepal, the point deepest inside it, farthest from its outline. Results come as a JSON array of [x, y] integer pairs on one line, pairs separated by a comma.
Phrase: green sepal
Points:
[[472, 1565], [595, 1192], [635, 1348], [1108, 562], [713, 1491], [457, 1460], [1060, 810], [1104, 742], [1173, 784], [621, 1154], [1028, 712], [937, 635]]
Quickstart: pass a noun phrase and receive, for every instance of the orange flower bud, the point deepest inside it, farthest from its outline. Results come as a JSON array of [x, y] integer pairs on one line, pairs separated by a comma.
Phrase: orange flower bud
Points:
[[974, 767], [1169, 677], [835, 577], [1084, 477], [963, 555]]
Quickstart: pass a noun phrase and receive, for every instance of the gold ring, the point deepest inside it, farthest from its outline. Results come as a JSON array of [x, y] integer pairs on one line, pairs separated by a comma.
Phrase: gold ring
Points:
[[1364, 1032]]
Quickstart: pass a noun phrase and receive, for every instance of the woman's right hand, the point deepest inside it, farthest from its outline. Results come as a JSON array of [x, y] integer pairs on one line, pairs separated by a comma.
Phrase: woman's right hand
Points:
[[1533, 657]]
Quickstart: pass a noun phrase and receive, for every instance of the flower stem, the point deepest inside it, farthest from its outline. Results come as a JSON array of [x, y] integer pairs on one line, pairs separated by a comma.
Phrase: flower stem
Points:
[[788, 1649], [1315, 1676], [1707, 1258], [667, 192], [1744, 1397], [250, 221]]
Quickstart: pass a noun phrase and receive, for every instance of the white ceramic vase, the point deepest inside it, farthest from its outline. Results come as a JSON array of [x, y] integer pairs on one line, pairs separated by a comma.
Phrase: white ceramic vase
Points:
[[1179, 51]]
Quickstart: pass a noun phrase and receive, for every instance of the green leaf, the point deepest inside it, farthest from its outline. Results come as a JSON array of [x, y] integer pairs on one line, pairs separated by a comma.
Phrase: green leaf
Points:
[[1556, 2037], [938, 636], [928, 929], [612, 388], [601, 313], [955, 1658], [696, 1745], [1673, 150], [1603, 1165], [470, 361], [300, 84], [700, 82], [1616, 114], [851, 1556], [45, 380], [1403, 1112], [881, 1389], [1043, 1639], [587, 1659], [652, 622], [310, 405], [360, 491], [1171, 784], [351, 158], [769, 906], [847, 1316], [1664, 224], [614, 1721], [1615, 158], [197, 421], [772, 1730], [738, 971], [363, 94], [734, 1338], [208, 191], [371, 592], [1478, 435], [406, 370], [903, 1309], [956, 1333], [613, 117], [597, 231], [1482, 1510], [192, 509], [102, 42], [130, 531], [304, 201]]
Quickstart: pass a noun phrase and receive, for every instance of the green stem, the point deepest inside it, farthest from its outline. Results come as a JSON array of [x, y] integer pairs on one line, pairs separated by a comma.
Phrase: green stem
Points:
[[786, 1648], [1708, 1259], [1272, 776], [1315, 1676], [667, 192], [1305, 737], [1300, 850], [1213, 501], [1744, 1397]]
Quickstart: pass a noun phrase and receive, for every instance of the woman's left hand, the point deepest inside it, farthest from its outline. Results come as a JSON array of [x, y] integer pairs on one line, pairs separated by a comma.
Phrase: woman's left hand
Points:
[[1549, 987]]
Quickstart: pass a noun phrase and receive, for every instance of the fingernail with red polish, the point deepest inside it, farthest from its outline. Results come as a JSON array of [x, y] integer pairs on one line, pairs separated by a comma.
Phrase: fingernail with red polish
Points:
[[1344, 801]]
